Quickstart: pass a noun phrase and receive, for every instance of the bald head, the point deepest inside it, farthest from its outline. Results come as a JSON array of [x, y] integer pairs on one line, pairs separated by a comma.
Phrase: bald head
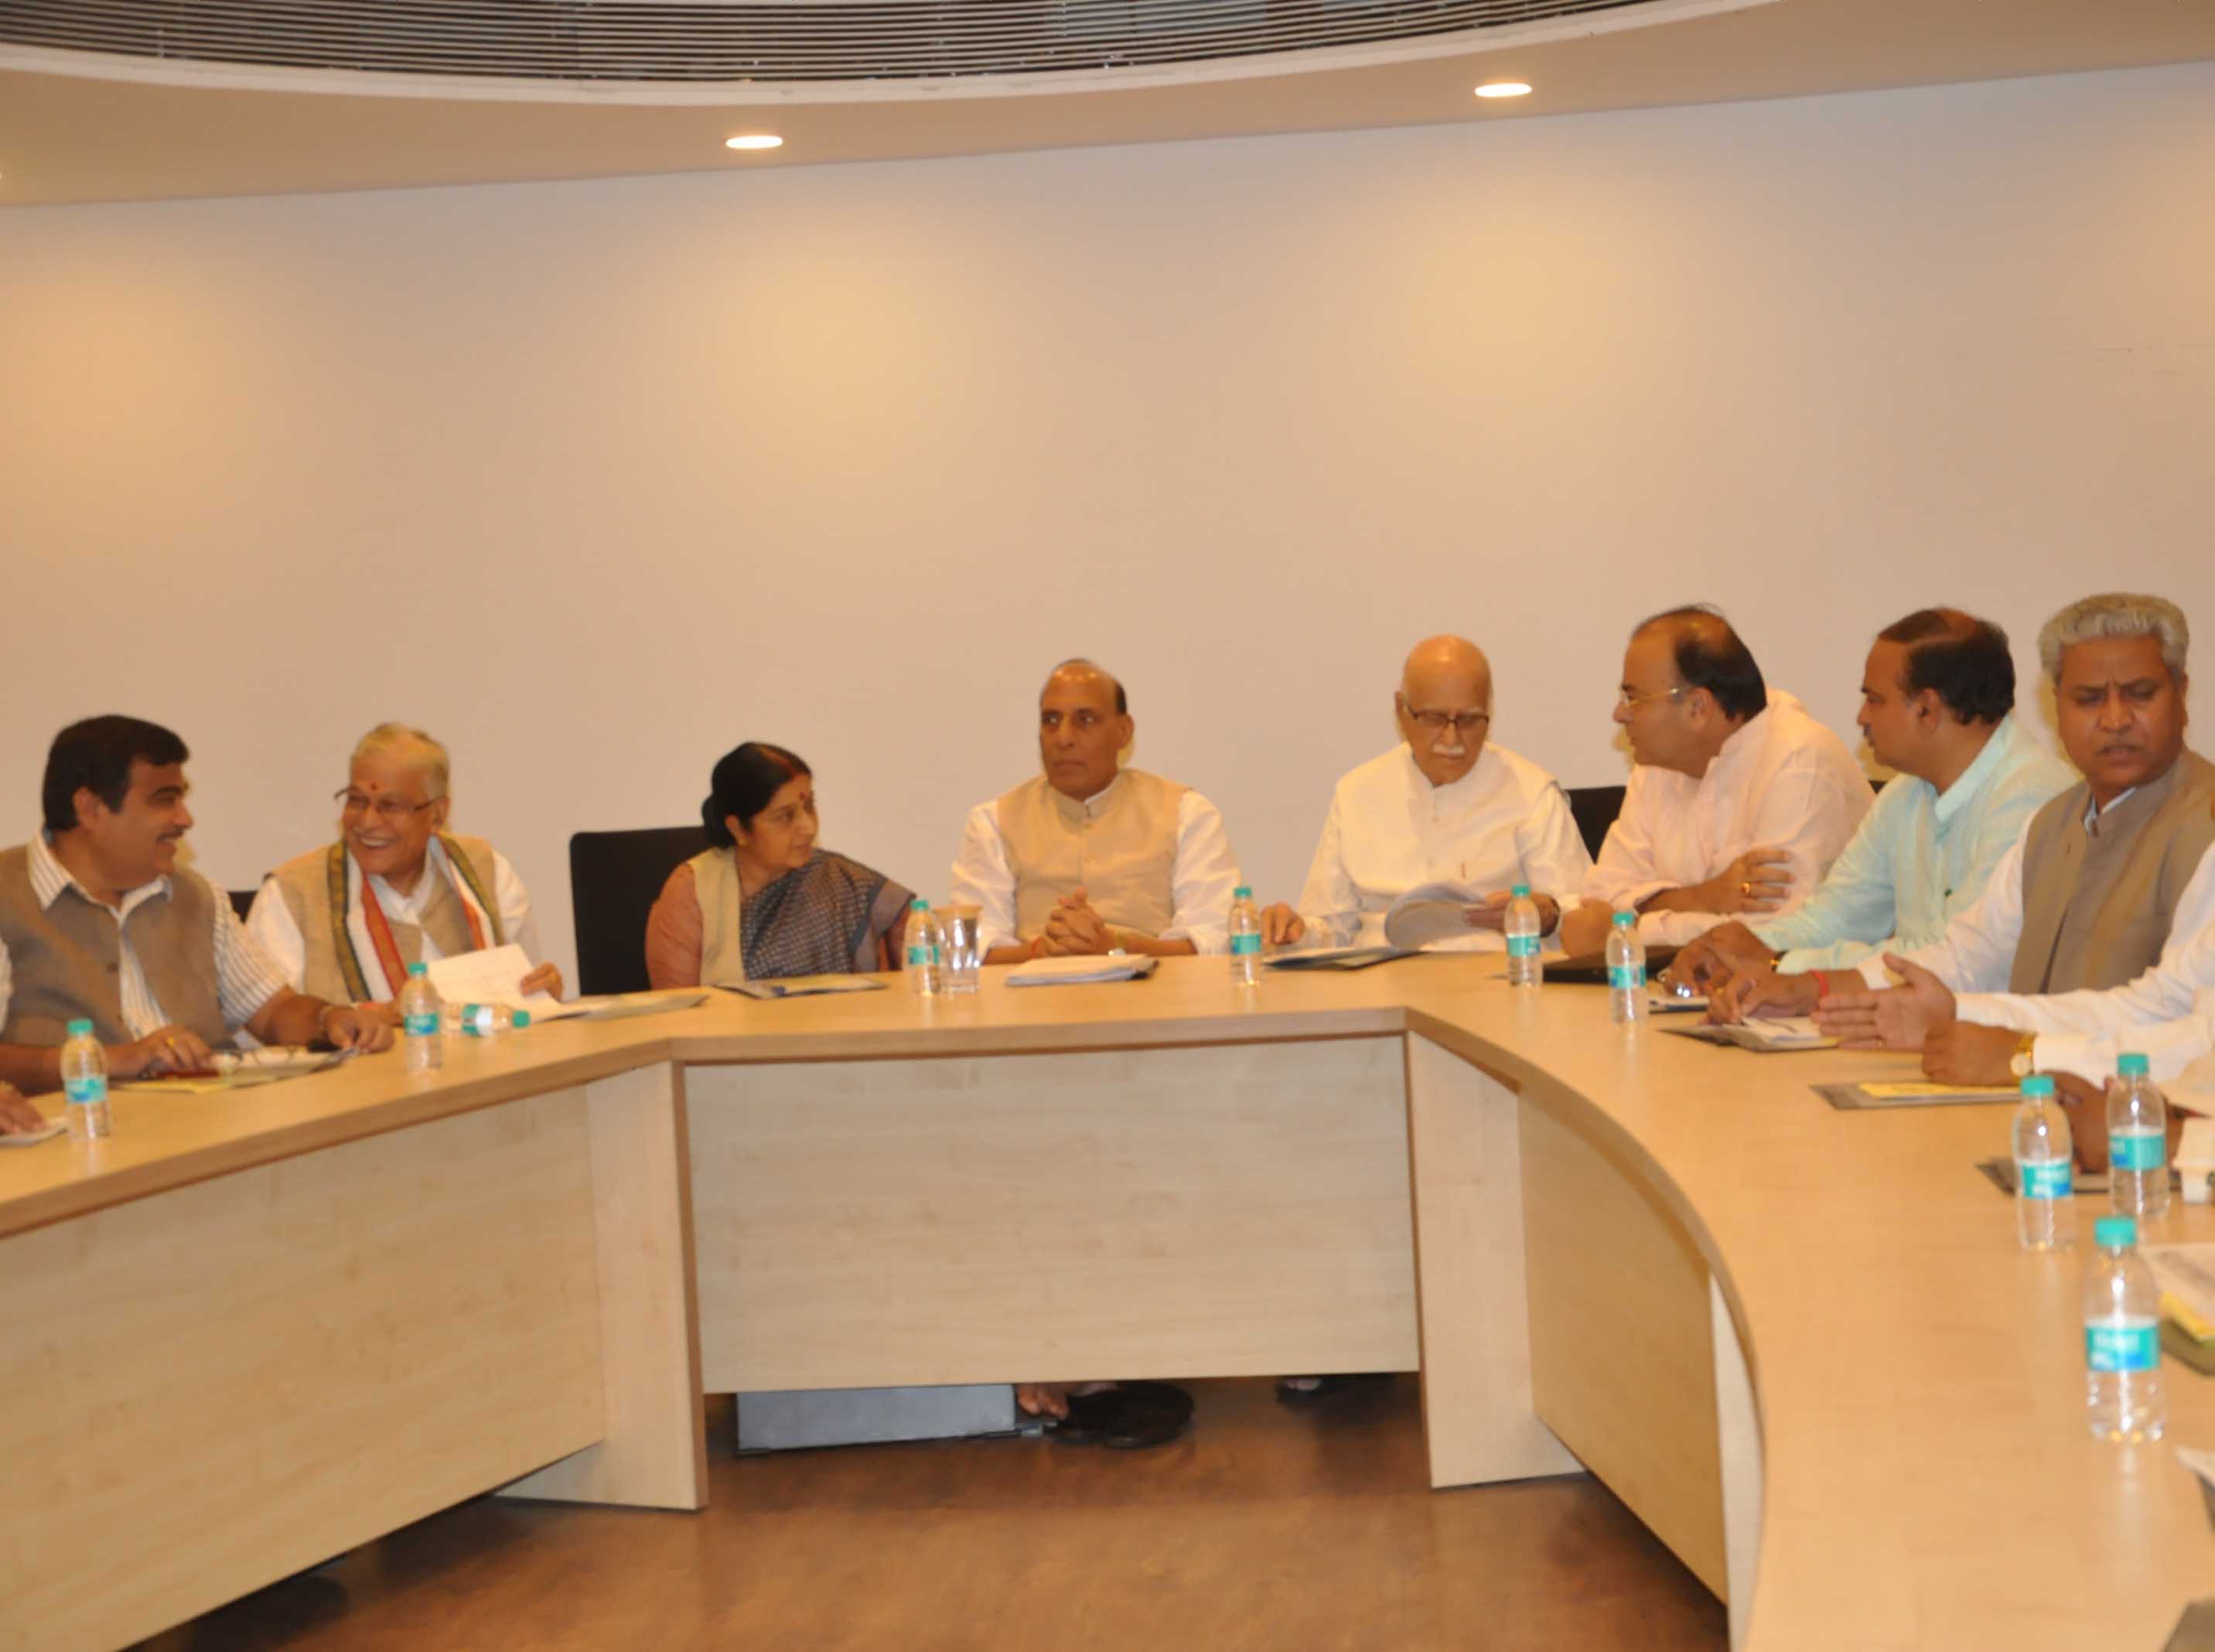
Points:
[[1447, 665], [1444, 706]]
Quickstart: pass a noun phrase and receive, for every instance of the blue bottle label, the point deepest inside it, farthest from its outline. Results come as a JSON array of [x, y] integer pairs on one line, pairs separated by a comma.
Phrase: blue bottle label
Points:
[[86, 1091], [1522, 946], [2137, 1150], [2128, 1346], [1242, 945], [2044, 1178], [422, 1023], [1626, 976], [918, 956]]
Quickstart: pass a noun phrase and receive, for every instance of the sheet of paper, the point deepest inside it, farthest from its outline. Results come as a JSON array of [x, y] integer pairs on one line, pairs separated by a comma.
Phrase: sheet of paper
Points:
[[2201, 1463], [1923, 1090], [33, 1138], [1049, 972], [801, 986], [494, 976], [2185, 1273]]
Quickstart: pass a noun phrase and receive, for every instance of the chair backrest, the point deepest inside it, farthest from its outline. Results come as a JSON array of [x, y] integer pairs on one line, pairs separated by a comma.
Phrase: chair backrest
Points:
[[1595, 808], [614, 877]]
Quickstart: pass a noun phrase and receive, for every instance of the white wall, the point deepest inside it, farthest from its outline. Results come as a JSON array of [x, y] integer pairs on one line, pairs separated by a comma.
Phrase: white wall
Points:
[[595, 480]]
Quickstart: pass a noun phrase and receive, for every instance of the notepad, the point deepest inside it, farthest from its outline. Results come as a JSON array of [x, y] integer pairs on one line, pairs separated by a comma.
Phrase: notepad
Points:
[[801, 986], [1914, 1093], [1075, 972], [1338, 958], [616, 1006], [1767, 1037]]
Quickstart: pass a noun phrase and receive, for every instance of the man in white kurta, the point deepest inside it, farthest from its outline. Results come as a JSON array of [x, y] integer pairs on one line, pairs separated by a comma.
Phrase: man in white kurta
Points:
[[408, 898], [1739, 801], [1445, 806]]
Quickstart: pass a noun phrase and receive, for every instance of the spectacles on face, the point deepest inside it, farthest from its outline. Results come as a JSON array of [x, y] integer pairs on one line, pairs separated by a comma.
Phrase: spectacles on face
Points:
[[1628, 701], [1437, 722], [390, 810]]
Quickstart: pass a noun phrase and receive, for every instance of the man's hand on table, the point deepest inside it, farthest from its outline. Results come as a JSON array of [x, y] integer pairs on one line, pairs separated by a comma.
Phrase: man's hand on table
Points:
[[17, 1116], [1890, 1018], [1073, 930], [1491, 912], [1281, 926]]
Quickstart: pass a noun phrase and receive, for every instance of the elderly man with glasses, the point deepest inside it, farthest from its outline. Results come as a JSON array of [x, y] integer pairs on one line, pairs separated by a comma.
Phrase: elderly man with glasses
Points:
[[345, 921], [1739, 801], [1445, 806]]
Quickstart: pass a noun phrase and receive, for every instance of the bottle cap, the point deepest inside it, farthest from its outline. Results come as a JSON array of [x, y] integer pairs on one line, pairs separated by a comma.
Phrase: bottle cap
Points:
[[419, 970], [80, 1029], [2132, 1065], [2115, 1232], [918, 905], [1624, 920], [521, 1020], [1520, 892], [2037, 1086], [1243, 892]]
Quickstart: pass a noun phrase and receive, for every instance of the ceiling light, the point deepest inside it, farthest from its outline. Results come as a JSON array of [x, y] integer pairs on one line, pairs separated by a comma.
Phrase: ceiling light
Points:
[[754, 141], [1503, 89]]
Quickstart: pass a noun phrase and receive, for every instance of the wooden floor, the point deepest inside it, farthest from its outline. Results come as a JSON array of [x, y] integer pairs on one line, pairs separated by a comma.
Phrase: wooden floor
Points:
[[1267, 1527]]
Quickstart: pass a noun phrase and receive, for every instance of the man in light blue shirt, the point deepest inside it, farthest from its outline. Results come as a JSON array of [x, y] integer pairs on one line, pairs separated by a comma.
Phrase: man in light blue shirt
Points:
[[1937, 695]]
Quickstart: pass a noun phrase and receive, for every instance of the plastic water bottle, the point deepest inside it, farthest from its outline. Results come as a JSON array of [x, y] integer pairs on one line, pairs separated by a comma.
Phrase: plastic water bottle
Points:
[[1522, 968], [922, 977], [490, 1020], [2045, 1181], [2137, 1142], [419, 1024], [84, 1082], [1245, 938], [1626, 970], [2123, 1399]]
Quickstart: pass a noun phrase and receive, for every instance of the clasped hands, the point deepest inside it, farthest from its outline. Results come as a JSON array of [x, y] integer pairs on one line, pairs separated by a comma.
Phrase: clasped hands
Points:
[[1073, 930]]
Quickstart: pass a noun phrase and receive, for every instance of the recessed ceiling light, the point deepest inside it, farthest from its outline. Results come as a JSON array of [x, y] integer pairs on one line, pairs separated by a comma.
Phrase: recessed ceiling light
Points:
[[754, 141], [1503, 89]]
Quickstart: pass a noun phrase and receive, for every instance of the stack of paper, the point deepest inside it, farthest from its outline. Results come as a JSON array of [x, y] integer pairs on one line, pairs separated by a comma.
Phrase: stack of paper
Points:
[[1785, 1033], [494, 976], [1067, 972]]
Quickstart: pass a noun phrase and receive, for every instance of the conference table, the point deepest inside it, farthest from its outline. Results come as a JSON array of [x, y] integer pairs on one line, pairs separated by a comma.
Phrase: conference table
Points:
[[253, 1330]]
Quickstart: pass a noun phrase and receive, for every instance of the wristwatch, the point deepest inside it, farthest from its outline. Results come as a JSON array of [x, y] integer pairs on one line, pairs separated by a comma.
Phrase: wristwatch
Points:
[[2020, 1064]]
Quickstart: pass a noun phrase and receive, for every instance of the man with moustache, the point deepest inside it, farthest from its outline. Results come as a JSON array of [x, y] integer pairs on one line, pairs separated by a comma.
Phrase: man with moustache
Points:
[[345, 921], [1447, 805], [1739, 801], [98, 922], [1937, 708], [1088, 856], [2109, 881]]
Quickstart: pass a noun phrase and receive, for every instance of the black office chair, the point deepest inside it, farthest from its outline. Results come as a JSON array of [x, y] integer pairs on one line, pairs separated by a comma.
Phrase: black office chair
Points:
[[1595, 808], [614, 877]]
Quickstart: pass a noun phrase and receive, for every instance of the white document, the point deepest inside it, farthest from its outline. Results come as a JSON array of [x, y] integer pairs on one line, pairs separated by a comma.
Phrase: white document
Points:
[[32, 1138], [1787, 1033], [1066, 971], [2201, 1463], [494, 976], [2186, 1272]]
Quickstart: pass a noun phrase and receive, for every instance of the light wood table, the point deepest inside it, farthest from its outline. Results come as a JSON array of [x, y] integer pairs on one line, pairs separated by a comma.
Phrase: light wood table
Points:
[[251, 1331]]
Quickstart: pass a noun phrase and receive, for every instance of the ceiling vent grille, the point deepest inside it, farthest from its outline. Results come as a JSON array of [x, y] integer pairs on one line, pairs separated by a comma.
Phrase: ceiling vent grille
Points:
[[585, 42]]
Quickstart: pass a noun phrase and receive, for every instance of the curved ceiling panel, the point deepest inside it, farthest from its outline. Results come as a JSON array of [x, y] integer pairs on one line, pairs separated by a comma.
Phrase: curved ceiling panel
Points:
[[604, 44]]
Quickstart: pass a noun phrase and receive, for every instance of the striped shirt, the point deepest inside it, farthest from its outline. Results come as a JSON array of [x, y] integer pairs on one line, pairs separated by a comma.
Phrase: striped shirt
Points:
[[246, 978]]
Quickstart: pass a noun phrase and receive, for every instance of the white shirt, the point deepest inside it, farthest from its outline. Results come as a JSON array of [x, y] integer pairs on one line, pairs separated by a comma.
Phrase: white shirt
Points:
[[245, 977], [1200, 885], [1782, 781], [1976, 955], [271, 923], [1390, 830], [2163, 1013]]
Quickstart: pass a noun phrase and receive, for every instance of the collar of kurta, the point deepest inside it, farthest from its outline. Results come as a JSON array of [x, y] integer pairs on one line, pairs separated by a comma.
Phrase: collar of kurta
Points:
[[1074, 813]]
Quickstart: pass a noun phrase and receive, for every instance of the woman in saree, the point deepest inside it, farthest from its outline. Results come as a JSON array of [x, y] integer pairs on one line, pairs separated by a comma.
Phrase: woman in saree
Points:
[[765, 901]]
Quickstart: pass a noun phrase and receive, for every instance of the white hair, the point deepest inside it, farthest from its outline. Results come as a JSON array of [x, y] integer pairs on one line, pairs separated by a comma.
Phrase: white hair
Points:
[[2116, 614], [398, 739]]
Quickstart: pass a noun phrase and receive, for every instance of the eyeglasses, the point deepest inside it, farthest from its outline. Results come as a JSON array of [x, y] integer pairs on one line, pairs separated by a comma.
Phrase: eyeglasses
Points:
[[390, 810], [1437, 722], [1630, 702]]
